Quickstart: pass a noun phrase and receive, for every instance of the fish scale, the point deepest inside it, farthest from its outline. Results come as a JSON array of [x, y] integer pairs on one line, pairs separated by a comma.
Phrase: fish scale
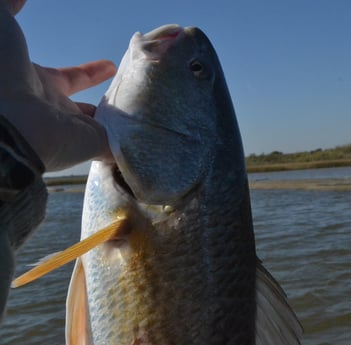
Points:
[[186, 271], [175, 284], [231, 279]]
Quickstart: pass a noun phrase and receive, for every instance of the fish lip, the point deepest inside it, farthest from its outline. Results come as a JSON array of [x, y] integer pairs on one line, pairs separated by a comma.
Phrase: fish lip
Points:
[[165, 32], [156, 42]]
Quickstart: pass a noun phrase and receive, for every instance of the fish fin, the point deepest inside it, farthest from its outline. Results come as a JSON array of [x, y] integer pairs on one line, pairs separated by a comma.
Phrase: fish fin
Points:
[[276, 322], [43, 259], [61, 258], [77, 327]]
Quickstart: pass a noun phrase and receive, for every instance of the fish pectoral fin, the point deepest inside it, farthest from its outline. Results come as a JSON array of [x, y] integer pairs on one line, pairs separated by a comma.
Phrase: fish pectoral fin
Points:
[[77, 314], [276, 322], [113, 230]]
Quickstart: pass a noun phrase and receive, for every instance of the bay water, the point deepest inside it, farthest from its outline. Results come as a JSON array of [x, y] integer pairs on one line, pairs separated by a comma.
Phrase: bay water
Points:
[[303, 237]]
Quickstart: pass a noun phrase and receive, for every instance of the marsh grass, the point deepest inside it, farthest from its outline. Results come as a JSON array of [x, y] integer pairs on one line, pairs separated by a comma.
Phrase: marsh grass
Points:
[[277, 161], [298, 166], [327, 185]]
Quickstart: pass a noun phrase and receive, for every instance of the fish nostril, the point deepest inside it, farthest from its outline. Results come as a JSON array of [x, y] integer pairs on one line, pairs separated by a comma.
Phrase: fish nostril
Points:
[[156, 45], [150, 46], [118, 177]]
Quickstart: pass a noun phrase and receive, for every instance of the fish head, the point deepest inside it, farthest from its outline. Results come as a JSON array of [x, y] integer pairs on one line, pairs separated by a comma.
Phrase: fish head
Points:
[[166, 112]]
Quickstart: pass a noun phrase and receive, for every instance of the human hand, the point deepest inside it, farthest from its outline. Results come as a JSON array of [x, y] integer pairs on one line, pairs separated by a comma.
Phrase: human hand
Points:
[[35, 100]]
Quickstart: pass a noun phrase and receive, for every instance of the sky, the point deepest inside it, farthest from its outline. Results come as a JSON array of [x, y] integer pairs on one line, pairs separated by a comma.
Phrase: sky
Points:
[[287, 63]]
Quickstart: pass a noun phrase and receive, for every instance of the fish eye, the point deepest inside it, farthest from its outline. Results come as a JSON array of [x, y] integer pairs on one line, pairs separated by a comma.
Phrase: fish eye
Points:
[[197, 68]]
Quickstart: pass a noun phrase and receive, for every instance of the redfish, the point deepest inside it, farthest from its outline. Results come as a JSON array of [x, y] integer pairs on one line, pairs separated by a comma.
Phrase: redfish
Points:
[[185, 270]]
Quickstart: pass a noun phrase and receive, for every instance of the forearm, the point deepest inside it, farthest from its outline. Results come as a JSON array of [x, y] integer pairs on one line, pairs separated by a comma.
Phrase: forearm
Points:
[[23, 198], [19, 164], [18, 218], [22, 189]]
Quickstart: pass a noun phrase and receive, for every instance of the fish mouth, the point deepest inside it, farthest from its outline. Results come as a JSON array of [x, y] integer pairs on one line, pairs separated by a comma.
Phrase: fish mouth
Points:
[[164, 32], [121, 182], [156, 42]]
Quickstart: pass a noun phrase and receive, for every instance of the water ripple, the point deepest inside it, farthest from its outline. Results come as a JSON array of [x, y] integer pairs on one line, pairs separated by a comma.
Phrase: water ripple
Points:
[[303, 238]]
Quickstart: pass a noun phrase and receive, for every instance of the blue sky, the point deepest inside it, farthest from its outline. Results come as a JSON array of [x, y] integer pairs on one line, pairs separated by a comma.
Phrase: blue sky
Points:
[[287, 63]]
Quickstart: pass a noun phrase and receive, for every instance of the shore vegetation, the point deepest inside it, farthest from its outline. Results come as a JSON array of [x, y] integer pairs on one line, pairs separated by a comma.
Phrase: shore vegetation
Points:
[[278, 161], [275, 161]]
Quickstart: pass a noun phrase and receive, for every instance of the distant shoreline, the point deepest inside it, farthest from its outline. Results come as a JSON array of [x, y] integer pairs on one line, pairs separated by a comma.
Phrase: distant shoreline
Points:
[[326, 185], [336, 157], [339, 156], [76, 184], [258, 168]]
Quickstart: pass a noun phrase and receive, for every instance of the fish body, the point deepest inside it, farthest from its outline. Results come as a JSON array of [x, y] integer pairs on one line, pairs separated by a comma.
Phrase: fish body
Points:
[[185, 271]]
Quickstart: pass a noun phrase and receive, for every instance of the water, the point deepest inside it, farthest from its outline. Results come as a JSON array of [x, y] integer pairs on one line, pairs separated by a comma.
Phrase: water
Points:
[[36, 312], [303, 238]]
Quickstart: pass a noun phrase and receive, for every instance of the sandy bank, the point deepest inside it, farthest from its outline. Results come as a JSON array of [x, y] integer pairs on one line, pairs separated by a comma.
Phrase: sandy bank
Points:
[[341, 185]]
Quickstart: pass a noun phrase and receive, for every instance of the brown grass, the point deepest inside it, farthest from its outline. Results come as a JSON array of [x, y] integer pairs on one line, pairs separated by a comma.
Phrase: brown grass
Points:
[[337, 185], [256, 168]]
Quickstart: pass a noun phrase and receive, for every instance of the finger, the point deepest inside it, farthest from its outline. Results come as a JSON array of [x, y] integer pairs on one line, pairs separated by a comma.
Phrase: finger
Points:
[[86, 75], [70, 80]]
